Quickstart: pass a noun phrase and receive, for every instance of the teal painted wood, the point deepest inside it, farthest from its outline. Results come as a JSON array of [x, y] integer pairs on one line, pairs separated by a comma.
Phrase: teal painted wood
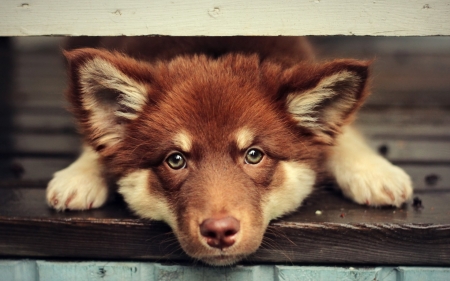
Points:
[[29, 270], [118, 271], [18, 270], [423, 273], [83, 271], [321, 273], [201, 273]]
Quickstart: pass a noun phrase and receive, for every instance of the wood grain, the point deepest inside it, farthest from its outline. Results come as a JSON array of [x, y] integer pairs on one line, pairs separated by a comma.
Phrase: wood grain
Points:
[[344, 233], [224, 18]]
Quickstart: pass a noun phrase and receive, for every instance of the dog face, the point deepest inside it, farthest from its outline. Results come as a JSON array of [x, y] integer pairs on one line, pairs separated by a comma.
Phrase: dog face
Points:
[[216, 148]]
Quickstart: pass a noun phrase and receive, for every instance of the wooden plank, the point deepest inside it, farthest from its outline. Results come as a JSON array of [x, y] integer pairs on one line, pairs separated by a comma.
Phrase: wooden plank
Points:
[[28, 270], [23, 270], [428, 177], [15, 171], [345, 233], [416, 151], [37, 120], [411, 81], [403, 75], [366, 47], [291, 273], [137, 271], [401, 122], [374, 122], [30, 169], [423, 273], [396, 149], [39, 80], [39, 144], [406, 71], [224, 18]]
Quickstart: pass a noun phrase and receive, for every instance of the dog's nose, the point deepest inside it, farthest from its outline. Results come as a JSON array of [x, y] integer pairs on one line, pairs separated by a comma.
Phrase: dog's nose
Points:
[[220, 233]]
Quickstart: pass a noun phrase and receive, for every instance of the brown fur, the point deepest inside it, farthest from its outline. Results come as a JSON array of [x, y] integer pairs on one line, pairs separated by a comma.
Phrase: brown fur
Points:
[[210, 88]]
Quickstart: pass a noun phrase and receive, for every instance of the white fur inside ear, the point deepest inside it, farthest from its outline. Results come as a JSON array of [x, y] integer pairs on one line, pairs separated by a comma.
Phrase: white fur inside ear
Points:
[[298, 183], [109, 94], [327, 102]]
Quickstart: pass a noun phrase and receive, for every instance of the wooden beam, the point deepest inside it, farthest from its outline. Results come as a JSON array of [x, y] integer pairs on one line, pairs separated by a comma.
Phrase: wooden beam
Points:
[[224, 18], [344, 233]]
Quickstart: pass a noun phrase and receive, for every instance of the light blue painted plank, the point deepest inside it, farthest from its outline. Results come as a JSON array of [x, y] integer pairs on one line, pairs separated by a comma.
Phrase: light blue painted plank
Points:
[[18, 270], [424, 274], [83, 271], [322, 273], [26, 270], [204, 273]]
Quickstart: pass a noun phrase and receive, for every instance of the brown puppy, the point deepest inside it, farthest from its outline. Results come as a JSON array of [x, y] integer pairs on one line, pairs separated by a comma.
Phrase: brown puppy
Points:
[[218, 136]]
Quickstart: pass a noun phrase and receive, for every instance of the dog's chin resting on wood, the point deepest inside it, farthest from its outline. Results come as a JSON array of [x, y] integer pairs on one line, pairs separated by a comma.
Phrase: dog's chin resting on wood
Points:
[[218, 136]]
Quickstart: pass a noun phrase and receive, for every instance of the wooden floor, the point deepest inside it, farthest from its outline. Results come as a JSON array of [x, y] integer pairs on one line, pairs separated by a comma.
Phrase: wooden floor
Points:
[[406, 119]]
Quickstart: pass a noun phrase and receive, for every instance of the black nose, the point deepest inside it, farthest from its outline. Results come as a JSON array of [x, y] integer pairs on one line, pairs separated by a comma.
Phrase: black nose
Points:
[[220, 233]]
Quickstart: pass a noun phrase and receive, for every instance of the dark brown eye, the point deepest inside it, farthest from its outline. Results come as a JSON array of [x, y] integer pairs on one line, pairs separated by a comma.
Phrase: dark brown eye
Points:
[[253, 156], [176, 161]]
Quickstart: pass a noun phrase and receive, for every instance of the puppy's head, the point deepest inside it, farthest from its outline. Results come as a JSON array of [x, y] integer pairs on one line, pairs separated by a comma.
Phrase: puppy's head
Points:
[[216, 148]]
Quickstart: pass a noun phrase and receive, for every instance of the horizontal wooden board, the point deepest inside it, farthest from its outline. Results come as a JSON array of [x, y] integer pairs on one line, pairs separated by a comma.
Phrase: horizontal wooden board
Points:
[[427, 178], [396, 149], [34, 270], [16, 171], [37, 120], [407, 150], [402, 76], [403, 122], [39, 80], [374, 122], [19, 169], [327, 47], [224, 18], [345, 233], [39, 144]]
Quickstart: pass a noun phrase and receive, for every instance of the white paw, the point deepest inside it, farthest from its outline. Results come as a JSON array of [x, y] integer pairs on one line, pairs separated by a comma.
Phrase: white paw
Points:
[[375, 182], [77, 188]]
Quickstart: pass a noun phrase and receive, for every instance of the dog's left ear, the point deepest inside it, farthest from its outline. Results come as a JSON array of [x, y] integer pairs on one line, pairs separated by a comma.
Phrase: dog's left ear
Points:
[[106, 91], [323, 98]]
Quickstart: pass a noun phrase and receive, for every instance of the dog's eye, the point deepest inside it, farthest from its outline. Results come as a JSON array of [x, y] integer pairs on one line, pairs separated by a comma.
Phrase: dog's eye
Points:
[[176, 161], [253, 156]]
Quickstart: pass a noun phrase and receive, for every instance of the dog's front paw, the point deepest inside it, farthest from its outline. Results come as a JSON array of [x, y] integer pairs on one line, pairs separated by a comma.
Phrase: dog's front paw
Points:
[[376, 182], [77, 188]]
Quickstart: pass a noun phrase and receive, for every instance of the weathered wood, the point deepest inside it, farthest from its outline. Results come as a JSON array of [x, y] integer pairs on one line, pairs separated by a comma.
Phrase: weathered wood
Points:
[[37, 171], [38, 144], [34, 270], [404, 75], [398, 149], [224, 18], [404, 122], [374, 122], [379, 47], [428, 177], [17, 169], [344, 233]]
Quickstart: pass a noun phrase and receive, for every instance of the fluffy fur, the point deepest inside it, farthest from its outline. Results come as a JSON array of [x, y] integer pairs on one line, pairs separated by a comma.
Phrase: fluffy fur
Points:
[[218, 136]]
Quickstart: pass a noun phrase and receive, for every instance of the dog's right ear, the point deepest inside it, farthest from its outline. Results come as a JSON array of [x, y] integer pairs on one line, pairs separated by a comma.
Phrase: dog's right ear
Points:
[[106, 91], [324, 97]]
